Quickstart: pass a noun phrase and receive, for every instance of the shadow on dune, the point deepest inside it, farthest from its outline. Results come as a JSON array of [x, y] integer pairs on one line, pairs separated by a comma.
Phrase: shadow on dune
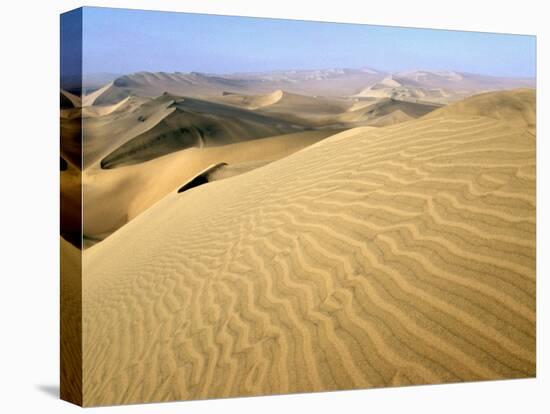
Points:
[[201, 178], [197, 123]]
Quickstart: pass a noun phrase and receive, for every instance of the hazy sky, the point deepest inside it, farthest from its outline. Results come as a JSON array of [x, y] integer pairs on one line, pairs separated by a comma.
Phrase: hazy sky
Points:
[[125, 41]]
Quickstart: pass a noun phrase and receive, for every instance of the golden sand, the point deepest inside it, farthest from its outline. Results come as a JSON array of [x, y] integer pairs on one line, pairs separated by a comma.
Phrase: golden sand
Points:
[[375, 257]]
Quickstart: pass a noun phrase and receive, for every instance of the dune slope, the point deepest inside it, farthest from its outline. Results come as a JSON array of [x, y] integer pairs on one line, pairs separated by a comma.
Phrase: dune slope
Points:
[[115, 196], [197, 123], [323, 112], [377, 257], [515, 108], [70, 322]]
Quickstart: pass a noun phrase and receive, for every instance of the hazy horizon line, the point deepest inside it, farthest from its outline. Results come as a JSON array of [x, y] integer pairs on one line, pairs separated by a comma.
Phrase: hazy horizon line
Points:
[[312, 69]]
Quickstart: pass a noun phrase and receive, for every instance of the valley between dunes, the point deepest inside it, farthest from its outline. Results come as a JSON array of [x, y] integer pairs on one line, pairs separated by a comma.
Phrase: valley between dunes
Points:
[[362, 258]]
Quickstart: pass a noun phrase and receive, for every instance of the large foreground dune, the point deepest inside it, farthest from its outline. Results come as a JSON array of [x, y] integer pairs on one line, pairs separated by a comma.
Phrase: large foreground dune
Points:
[[376, 257], [132, 153]]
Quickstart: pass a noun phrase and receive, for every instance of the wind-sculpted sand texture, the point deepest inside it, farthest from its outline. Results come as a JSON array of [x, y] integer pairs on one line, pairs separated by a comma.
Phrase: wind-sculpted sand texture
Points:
[[376, 257], [70, 346], [141, 144], [113, 197], [515, 108]]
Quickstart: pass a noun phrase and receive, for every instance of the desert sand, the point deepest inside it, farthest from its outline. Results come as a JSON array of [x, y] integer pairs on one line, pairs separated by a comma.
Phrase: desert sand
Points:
[[139, 149], [71, 322], [440, 86], [146, 134], [113, 197], [337, 251]]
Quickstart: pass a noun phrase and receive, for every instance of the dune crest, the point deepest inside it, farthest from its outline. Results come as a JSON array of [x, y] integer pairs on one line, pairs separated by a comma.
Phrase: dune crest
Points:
[[516, 108], [114, 197], [197, 123], [69, 100], [89, 99], [254, 101]]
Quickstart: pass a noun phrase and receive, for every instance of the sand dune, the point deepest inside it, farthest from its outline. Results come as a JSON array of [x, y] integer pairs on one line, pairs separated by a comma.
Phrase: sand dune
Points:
[[71, 203], [514, 108], [154, 84], [202, 178], [69, 100], [197, 123], [286, 103], [460, 81], [314, 111], [70, 175], [114, 197], [330, 82], [388, 81], [89, 99], [221, 171], [106, 132], [71, 323], [252, 101], [412, 94], [438, 87], [97, 110], [391, 118], [375, 257], [71, 136], [231, 170], [386, 106], [307, 105], [379, 113], [323, 112], [138, 129], [435, 86]]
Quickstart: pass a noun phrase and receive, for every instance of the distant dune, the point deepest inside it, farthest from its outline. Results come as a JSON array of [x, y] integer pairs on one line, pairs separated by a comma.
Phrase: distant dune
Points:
[[427, 85], [438, 87], [253, 101], [391, 118], [374, 257], [460, 81], [330, 82], [387, 106]]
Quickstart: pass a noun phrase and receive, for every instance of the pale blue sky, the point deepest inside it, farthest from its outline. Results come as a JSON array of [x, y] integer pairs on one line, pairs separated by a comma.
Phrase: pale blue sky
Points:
[[126, 41]]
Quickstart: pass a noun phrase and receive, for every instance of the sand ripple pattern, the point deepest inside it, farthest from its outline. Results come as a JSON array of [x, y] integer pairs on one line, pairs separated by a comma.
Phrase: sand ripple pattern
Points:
[[378, 257]]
